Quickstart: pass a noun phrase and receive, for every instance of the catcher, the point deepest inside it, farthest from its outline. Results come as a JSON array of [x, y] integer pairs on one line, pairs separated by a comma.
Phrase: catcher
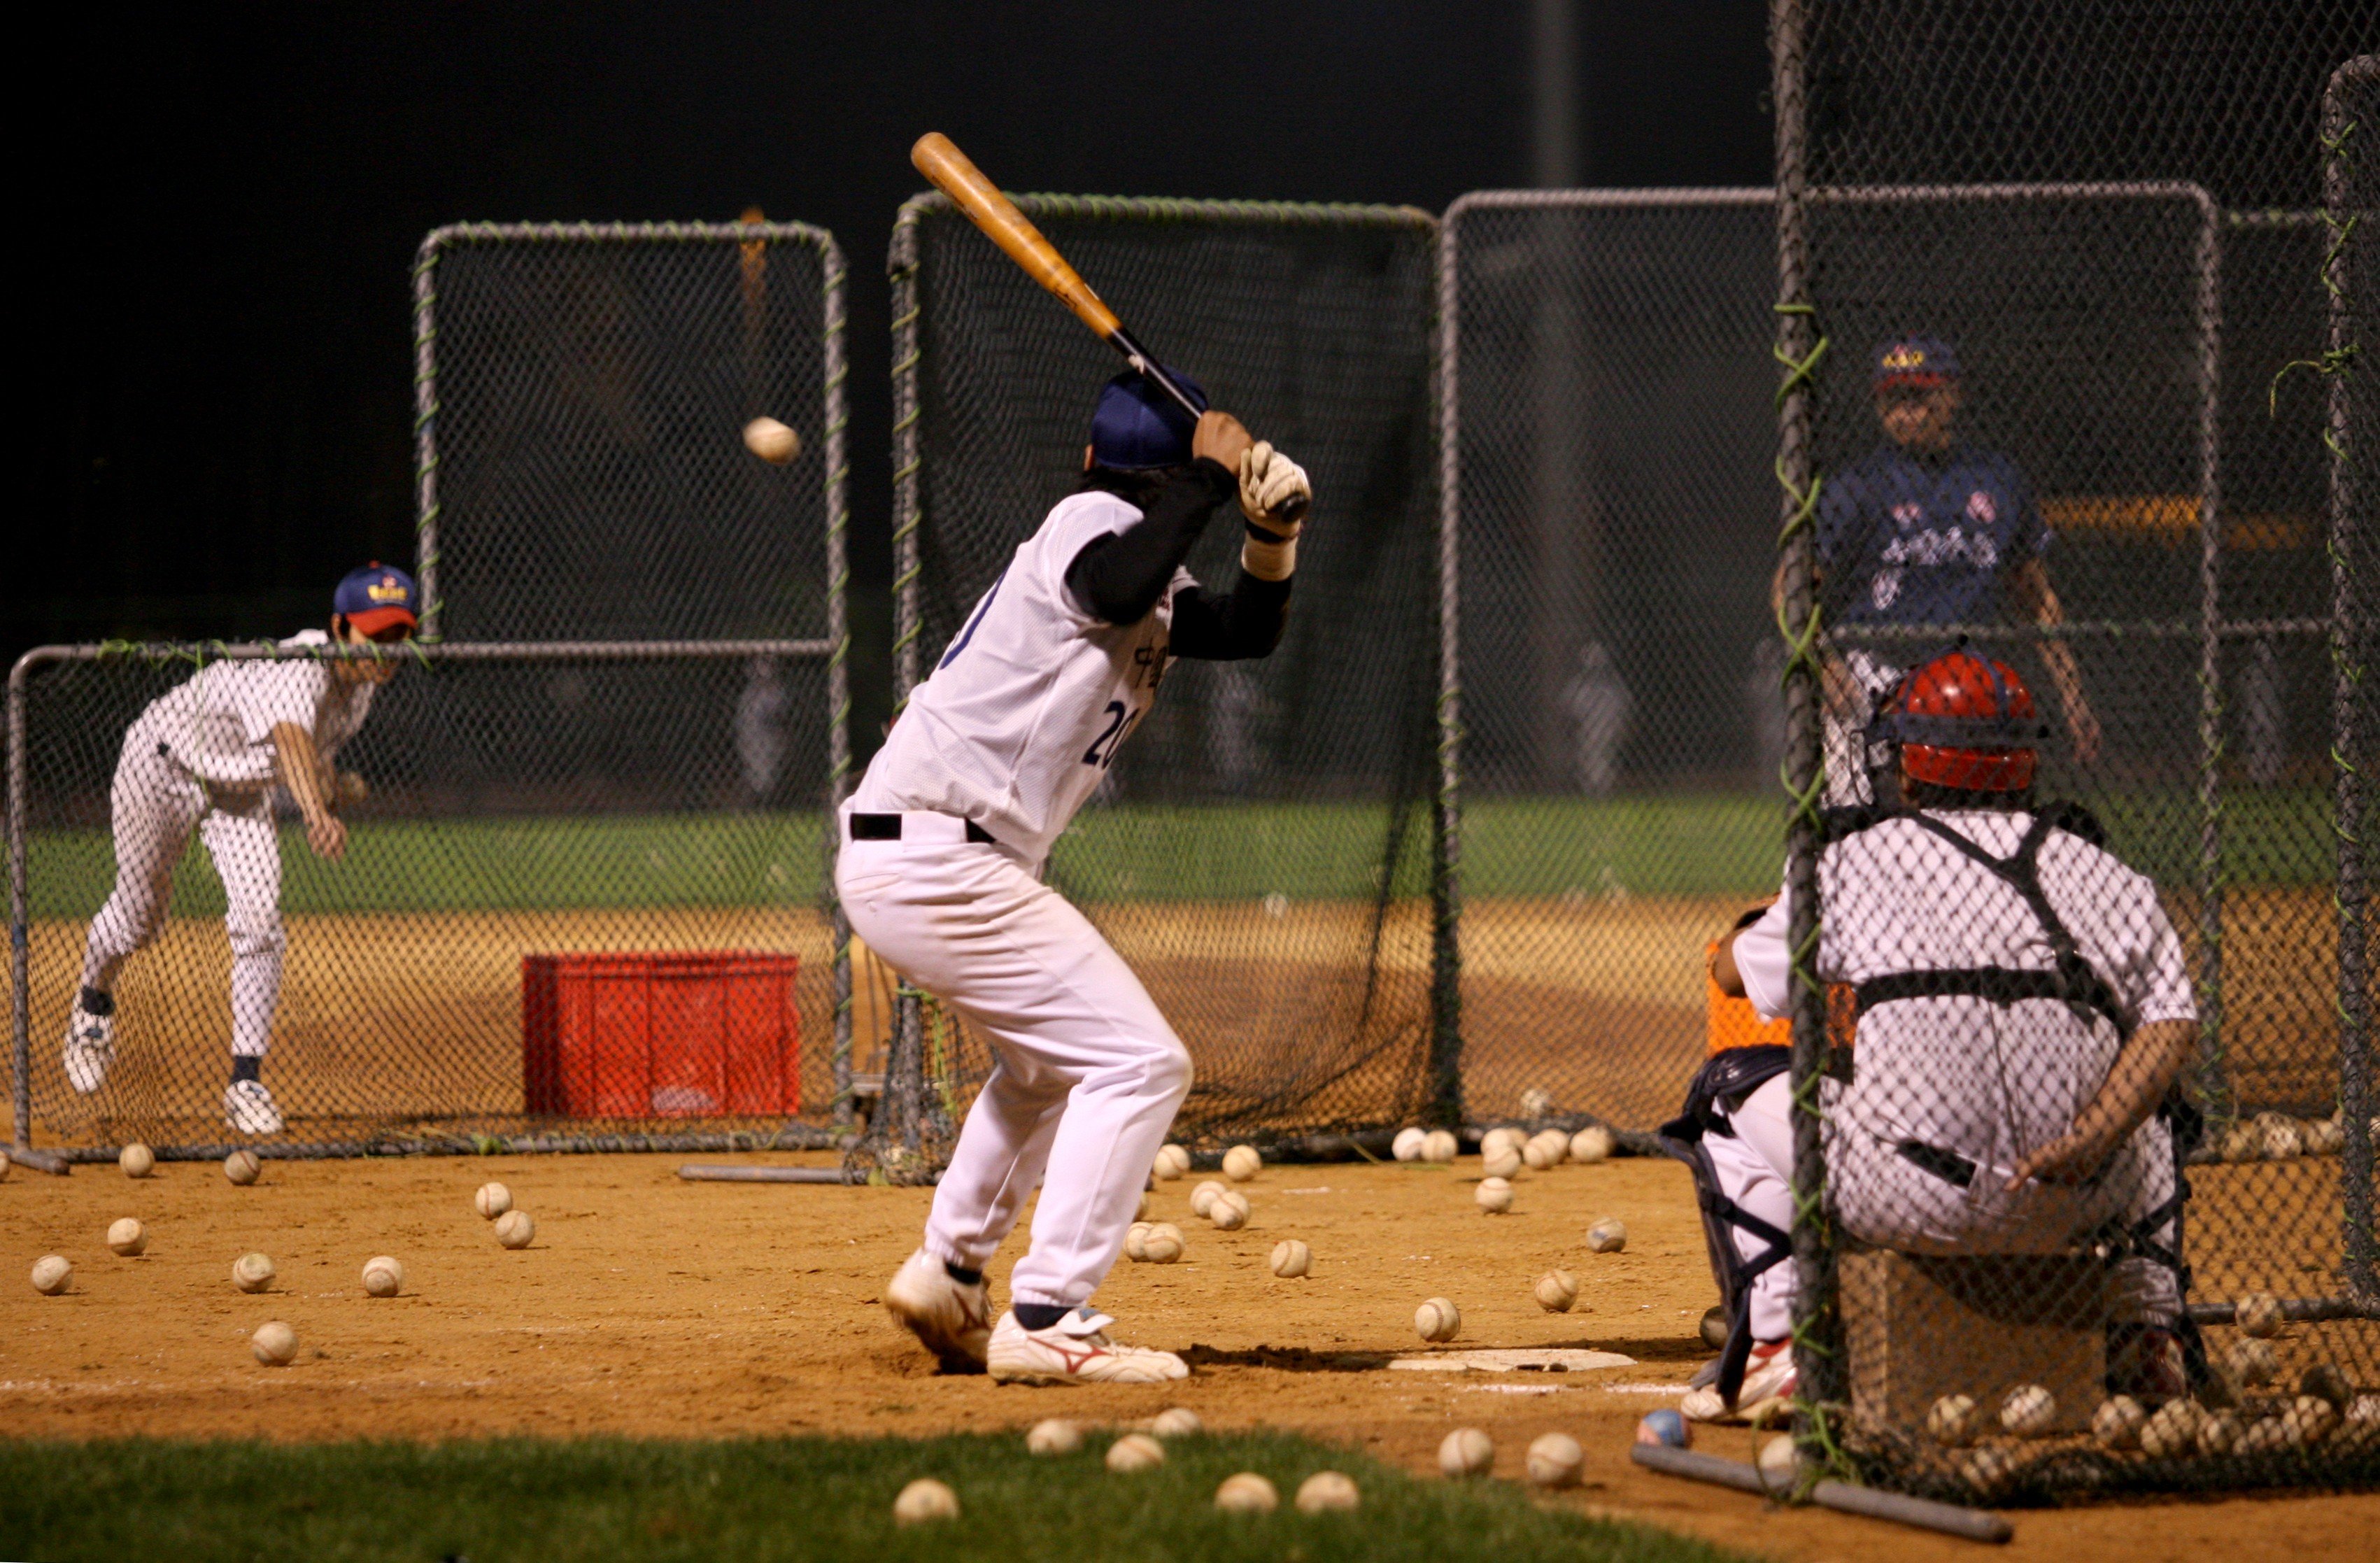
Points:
[[2023, 1010], [207, 756]]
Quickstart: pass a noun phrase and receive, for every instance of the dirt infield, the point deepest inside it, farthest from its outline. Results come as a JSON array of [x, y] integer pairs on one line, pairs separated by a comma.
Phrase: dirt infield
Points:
[[649, 1305]]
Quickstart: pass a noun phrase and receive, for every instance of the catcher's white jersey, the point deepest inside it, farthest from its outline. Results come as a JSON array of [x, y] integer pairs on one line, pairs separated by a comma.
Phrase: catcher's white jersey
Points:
[[219, 725], [1032, 699]]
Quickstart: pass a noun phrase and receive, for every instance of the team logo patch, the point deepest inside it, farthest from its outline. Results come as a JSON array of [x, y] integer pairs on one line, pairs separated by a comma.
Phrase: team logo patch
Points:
[[1903, 358], [1980, 506], [385, 589]]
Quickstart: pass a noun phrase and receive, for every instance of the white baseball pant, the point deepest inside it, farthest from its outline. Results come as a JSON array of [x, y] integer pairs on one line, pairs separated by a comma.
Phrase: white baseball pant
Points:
[[1088, 1073], [153, 807]]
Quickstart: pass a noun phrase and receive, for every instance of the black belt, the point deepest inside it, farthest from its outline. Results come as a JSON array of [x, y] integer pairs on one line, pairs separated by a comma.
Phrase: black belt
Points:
[[1948, 1166], [887, 828], [1994, 984]]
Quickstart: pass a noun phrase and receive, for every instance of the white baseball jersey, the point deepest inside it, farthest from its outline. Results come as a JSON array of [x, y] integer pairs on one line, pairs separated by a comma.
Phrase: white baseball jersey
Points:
[[1032, 698], [219, 725]]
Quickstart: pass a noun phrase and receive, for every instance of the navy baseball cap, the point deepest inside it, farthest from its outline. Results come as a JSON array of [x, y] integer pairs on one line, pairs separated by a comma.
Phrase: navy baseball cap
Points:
[[1915, 360], [375, 596], [1137, 428]]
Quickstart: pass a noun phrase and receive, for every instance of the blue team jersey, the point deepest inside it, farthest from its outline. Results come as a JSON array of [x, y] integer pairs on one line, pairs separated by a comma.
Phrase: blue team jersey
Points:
[[1905, 542]]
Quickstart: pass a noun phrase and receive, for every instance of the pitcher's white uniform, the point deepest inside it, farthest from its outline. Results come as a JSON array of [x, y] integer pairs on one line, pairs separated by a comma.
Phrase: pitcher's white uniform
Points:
[[1013, 732], [202, 757]]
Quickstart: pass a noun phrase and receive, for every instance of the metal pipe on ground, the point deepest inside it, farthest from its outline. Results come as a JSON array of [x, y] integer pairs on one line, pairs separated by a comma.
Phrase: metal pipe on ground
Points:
[[1974, 1524]]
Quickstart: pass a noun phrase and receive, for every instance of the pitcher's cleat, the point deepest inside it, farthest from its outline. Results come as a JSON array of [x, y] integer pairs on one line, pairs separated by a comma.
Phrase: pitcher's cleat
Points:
[[90, 1048], [1075, 1350], [1768, 1375], [949, 1318], [248, 1106]]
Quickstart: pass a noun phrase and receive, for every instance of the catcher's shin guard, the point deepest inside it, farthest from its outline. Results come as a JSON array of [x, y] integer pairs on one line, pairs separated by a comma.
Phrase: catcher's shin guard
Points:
[[1732, 1074]]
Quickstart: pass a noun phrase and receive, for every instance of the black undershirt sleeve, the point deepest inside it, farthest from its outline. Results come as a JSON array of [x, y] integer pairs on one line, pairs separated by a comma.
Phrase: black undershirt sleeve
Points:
[[1244, 622], [1118, 577]]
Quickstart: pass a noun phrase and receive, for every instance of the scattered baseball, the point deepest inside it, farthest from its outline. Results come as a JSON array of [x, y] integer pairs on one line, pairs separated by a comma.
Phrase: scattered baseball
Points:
[[1247, 1492], [2309, 1419], [1503, 1139], [1228, 1210], [2241, 1143], [2029, 1410], [1714, 1327], [1172, 1162], [1665, 1428], [924, 1498], [2171, 1429], [1176, 1421], [1592, 1142], [1988, 1470], [2326, 1382], [1439, 1144], [1204, 1195], [1135, 1237], [1546, 1151], [1437, 1319], [1495, 1196], [1778, 1460], [251, 1272], [241, 1167], [2323, 1136], [383, 1276], [1954, 1421], [1557, 1292], [2253, 1362], [1241, 1163], [1140, 1211], [515, 1228], [1537, 1102], [51, 1274], [1466, 1451], [2259, 1315], [1556, 1461], [273, 1344], [2278, 1136], [136, 1159], [1501, 1162], [1608, 1236], [776, 444], [1290, 1258], [1161, 1244], [1135, 1451], [128, 1237], [1055, 1436], [491, 1200], [1406, 1147], [2117, 1424], [2219, 1433], [1326, 1492]]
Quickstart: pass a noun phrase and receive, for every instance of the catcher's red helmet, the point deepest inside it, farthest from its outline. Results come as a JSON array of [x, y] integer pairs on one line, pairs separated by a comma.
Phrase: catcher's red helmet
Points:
[[1965, 721]]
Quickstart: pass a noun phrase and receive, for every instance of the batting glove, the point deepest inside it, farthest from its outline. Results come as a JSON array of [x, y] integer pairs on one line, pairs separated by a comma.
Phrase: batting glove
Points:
[[1274, 495]]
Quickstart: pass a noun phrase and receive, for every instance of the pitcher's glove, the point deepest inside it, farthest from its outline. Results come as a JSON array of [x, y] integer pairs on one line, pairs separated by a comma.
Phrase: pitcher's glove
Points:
[[1274, 496]]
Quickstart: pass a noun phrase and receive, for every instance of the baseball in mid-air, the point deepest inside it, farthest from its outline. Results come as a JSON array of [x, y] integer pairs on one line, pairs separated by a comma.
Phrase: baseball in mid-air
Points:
[[1406, 1147], [1608, 1236], [1247, 1492], [127, 1237], [491, 1200], [252, 1272], [1494, 1195], [925, 1498], [515, 1228], [1557, 1292], [1325, 1491], [1437, 1319], [1172, 1161], [1954, 1421], [1592, 1142], [2029, 1410], [136, 1159], [383, 1276], [1466, 1451], [1290, 1258], [1241, 1163], [273, 1344], [51, 1274], [772, 441], [1439, 1144], [1556, 1461], [242, 1167], [1135, 1451], [1055, 1436]]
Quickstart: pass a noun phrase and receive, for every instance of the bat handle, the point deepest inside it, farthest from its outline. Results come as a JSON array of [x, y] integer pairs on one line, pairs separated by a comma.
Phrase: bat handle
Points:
[[1146, 362]]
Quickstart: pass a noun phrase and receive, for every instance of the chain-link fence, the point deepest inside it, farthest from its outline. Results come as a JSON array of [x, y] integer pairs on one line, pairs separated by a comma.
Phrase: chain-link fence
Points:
[[2079, 1177], [581, 897], [1262, 851]]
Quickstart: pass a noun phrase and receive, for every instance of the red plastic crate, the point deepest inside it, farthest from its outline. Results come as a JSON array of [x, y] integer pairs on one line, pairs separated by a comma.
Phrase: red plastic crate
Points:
[[684, 1035]]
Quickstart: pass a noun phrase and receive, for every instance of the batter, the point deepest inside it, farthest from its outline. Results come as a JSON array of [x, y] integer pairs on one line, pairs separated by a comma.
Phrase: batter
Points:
[[944, 842], [206, 757]]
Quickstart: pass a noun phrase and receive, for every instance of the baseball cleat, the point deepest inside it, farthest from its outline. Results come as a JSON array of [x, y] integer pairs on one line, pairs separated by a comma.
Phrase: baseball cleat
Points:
[[1075, 1351], [949, 1318], [248, 1106], [90, 1048], [1767, 1376]]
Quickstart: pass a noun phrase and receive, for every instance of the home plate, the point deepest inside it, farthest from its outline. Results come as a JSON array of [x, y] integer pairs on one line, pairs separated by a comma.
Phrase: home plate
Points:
[[1551, 1359]]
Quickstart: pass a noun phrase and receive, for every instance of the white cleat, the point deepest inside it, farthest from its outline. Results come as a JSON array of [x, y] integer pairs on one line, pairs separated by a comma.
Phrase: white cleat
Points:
[[1075, 1350], [951, 1318], [248, 1106], [1768, 1375], [90, 1048]]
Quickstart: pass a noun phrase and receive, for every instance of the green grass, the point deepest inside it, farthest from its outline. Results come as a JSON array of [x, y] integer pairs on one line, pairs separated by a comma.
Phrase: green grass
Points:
[[555, 1501]]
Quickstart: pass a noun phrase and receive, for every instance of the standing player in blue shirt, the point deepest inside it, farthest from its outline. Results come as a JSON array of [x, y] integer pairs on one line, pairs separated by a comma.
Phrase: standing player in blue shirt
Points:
[[1926, 529]]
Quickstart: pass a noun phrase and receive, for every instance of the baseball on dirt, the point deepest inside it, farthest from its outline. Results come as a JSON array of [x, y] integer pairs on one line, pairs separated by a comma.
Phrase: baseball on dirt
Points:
[[2323, 1136], [2253, 1361], [1608, 1236], [2259, 1315], [1135, 1451], [1557, 1292], [2276, 1137], [1953, 1420], [1988, 1470], [1241, 1163], [1228, 1210], [1247, 1492], [1466, 1451], [251, 1272], [1161, 1244], [491, 1200], [273, 1344], [1716, 1327], [1327, 1492], [1556, 1461], [1501, 1162], [1494, 1195], [1592, 1142], [136, 1159], [1546, 1151], [1176, 1421], [383, 1276], [515, 1228], [1406, 1147], [924, 1498], [1055, 1436], [1290, 1258], [1134, 1237], [1439, 1144], [2307, 1420], [1501, 1138], [1202, 1197], [2117, 1424], [1437, 1319], [2028, 1410], [242, 1167], [1172, 1161], [2171, 1429], [51, 1274], [773, 442], [2220, 1433], [1141, 1210], [127, 1237], [1779, 1458]]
